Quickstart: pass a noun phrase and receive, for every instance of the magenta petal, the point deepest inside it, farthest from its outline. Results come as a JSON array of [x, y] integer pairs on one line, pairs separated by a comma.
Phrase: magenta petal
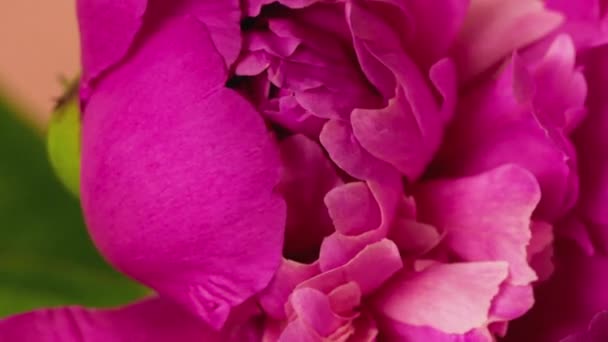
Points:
[[494, 207], [308, 176], [452, 298], [153, 320], [567, 301], [353, 208], [173, 184], [107, 29], [369, 269], [598, 330], [591, 141], [288, 276], [438, 22]]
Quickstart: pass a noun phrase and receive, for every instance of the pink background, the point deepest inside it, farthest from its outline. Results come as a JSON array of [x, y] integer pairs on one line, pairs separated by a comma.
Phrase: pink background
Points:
[[38, 43]]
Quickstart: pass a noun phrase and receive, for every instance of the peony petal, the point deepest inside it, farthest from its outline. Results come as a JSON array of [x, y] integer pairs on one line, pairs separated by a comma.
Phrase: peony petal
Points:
[[591, 141], [485, 37], [511, 302], [307, 177], [598, 330], [107, 29], [338, 248], [393, 331], [408, 131], [499, 123], [494, 207], [540, 249], [313, 307], [289, 275], [438, 22], [173, 185], [452, 298], [414, 238], [583, 21], [353, 208], [150, 320], [369, 269], [567, 301]]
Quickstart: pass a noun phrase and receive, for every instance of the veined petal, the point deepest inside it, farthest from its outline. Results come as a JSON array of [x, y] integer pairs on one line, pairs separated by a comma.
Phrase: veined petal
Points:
[[452, 298], [152, 320], [178, 174], [107, 29], [485, 217]]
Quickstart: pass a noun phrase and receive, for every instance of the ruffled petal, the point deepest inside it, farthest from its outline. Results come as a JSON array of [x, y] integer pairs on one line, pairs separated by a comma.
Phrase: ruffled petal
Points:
[[173, 185], [369, 269], [514, 120], [288, 276], [451, 298], [307, 177], [482, 42], [485, 217], [353, 208], [152, 320]]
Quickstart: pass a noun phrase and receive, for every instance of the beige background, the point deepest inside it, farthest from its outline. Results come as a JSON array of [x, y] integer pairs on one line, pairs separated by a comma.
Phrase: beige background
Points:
[[38, 43]]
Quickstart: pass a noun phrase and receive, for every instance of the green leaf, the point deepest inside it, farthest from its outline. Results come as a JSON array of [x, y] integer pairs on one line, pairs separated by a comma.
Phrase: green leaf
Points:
[[63, 143], [46, 256]]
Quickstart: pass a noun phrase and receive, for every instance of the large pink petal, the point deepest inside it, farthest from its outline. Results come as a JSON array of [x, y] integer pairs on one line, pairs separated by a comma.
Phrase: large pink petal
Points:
[[486, 36], [308, 176], [452, 298], [178, 175], [152, 320], [485, 217], [107, 29]]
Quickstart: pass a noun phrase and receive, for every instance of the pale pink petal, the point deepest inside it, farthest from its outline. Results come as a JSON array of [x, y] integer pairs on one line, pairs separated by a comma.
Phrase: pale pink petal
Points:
[[375, 264], [179, 172], [338, 248], [487, 37], [288, 276], [353, 208], [414, 238], [452, 298], [540, 249], [394, 331], [485, 217], [314, 309], [511, 302]]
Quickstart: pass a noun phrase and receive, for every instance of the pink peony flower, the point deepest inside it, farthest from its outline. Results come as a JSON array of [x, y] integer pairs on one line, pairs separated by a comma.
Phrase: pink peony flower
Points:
[[318, 170]]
